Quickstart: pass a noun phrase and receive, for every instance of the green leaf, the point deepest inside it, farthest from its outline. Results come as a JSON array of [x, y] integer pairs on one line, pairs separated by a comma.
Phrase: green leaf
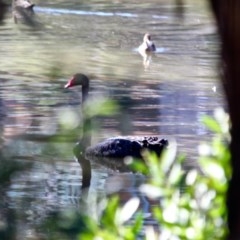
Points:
[[138, 224], [127, 211], [100, 107], [213, 170], [212, 124], [108, 217]]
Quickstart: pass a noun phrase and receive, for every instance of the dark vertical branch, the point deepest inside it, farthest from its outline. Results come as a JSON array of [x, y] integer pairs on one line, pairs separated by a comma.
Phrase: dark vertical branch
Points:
[[180, 8], [228, 20], [3, 9]]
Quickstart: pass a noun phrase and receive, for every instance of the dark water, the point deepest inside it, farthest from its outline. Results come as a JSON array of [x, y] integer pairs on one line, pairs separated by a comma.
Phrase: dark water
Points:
[[165, 96]]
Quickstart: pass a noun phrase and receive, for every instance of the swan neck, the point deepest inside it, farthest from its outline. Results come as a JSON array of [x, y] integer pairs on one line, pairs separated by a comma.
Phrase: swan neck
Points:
[[85, 90], [86, 137]]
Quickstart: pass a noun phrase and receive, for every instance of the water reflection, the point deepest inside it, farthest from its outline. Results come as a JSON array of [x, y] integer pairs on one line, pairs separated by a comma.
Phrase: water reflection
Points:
[[15, 117], [57, 11]]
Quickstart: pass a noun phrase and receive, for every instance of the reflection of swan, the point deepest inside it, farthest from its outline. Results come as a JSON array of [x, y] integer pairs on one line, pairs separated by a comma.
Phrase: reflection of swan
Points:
[[22, 10], [15, 119], [118, 147]]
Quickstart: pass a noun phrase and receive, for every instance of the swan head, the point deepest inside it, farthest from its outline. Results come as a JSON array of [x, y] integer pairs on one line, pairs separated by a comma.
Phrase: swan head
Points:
[[147, 44], [78, 79], [147, 37]]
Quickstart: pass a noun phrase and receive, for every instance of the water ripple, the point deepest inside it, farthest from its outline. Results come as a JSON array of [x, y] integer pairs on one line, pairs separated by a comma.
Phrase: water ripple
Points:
[[58, 11]]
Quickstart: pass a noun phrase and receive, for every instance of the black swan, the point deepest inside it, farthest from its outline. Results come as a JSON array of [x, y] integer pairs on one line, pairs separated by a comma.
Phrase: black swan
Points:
[[22, 10], [118, 147]]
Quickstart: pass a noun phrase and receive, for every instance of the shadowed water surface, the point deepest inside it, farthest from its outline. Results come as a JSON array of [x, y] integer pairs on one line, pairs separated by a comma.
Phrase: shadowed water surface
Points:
[[166, 95]]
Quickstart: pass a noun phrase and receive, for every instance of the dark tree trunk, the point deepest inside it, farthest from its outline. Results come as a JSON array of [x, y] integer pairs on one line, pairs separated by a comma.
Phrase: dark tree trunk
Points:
[[227, 15], [3, 9]]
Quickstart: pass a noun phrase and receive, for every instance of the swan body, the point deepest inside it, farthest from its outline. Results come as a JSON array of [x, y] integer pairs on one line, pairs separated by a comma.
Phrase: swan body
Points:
[[147, 44], [118, 147]]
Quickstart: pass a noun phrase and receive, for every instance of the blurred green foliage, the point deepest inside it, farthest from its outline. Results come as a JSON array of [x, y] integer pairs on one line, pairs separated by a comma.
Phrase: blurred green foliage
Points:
[[191, 204], [8, 217]]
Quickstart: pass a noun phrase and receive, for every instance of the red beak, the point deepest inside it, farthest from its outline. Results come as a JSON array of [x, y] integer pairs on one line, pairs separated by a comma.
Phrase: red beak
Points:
[[69, 83]]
